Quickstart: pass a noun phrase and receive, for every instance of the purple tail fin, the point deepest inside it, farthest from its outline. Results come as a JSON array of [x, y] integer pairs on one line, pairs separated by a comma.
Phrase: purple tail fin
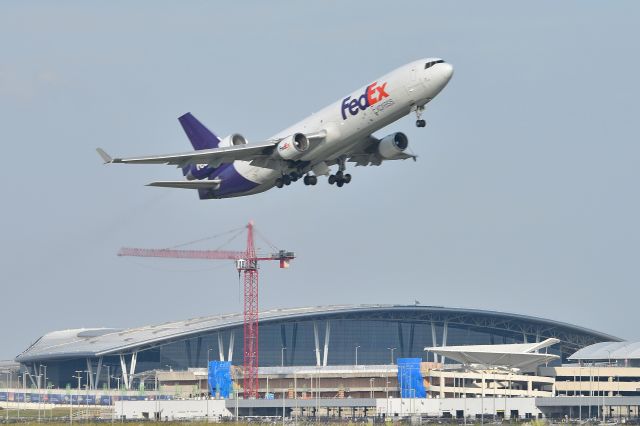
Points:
[[198, 134]]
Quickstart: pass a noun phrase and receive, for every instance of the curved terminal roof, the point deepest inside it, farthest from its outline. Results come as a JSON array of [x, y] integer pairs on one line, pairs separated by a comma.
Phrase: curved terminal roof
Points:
[[608, 350], [91, 342]]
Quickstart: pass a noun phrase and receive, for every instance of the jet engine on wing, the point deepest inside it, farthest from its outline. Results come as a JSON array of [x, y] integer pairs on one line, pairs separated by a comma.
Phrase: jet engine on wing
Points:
[[393, 146], [233, 139], [292, 147]]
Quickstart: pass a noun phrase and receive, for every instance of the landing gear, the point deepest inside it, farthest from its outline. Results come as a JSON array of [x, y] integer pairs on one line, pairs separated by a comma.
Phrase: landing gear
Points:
[[285, 180], [310, 180], [340, 178], [419, 121]]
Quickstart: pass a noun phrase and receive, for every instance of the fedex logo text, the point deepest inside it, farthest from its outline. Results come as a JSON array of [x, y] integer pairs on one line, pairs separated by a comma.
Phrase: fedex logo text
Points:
[[373, 94]]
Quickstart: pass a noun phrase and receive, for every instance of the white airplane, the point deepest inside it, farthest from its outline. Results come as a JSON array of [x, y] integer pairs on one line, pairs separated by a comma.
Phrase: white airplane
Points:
[[337, 134]]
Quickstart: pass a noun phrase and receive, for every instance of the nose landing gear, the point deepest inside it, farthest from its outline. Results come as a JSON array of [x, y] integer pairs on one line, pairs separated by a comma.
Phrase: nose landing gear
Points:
[[419, 121]]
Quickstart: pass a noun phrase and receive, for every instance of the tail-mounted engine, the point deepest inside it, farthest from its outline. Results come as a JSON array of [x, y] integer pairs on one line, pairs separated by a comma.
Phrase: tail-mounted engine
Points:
[[233, 139], [202, 171], [392, 147], [292, 147]]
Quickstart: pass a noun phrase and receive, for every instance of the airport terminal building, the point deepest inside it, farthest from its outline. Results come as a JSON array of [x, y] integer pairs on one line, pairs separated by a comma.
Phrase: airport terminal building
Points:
[[312, 336]]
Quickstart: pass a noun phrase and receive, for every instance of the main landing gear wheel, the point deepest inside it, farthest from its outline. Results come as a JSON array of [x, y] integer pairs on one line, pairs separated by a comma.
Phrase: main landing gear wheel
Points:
[[340, 179], [310, 180], [283, 180]]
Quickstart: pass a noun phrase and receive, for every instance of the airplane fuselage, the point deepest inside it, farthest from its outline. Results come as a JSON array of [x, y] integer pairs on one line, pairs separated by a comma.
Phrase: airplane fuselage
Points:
[[347, 122], [337, 134]]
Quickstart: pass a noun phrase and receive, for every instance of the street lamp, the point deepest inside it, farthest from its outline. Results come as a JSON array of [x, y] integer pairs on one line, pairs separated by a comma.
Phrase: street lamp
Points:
[[8, 373], [392, 349], [371, 380], [357, 346], [79, 377]]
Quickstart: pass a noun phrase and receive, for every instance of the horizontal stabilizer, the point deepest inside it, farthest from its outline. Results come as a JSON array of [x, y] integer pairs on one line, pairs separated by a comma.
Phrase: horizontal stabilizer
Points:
[[188, 184], [105, 157]]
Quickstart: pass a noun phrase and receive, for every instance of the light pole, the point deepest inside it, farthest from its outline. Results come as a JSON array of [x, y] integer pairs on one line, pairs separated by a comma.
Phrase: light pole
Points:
[[371, 380], [117, 378], [357, 346], [40, 368], [208, 384], [8, 373], [282, 356], [392, 349], [39, 377], [79, 377]]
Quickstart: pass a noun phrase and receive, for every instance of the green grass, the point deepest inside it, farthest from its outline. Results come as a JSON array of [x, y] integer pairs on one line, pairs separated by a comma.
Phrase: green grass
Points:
[[15, 414]]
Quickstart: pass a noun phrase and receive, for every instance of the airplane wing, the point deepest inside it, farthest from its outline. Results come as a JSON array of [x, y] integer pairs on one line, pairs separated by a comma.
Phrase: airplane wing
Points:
[[214, 157], [260, 154], [188, 184]]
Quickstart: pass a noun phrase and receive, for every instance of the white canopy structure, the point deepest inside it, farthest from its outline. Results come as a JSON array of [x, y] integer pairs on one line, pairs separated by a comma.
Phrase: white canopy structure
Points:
[[521, 356]]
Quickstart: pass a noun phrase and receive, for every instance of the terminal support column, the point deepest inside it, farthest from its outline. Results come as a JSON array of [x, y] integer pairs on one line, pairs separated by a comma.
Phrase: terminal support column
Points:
[[326, 344]]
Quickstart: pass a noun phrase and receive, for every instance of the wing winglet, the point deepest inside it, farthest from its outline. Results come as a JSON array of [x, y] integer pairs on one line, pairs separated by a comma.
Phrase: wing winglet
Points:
[[105, 157]]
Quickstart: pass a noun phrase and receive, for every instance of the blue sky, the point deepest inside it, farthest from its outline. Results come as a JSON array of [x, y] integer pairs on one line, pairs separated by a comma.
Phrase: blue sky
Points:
[[524, 198]]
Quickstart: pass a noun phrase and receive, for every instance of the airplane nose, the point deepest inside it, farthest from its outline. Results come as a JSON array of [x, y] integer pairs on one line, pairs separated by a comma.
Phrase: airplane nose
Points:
[[446, 71]]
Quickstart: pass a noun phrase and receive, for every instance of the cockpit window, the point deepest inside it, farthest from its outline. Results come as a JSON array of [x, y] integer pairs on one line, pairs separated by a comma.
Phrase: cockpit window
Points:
[[432, 63]]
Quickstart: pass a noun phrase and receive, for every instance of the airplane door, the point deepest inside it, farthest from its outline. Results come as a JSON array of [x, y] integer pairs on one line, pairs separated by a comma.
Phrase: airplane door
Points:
[[414, 85]]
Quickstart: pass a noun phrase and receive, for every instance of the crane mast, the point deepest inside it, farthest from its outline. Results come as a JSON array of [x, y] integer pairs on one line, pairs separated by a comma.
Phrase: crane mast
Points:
[[247, 264], [251, 334]]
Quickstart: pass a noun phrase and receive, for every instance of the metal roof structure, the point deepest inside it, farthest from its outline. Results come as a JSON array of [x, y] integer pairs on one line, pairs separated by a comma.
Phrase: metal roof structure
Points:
[[522, 356], [608, 351], [95, 342]]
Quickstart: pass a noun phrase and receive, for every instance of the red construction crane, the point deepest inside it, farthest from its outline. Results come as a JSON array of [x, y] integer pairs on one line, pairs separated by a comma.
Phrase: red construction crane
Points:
[[247, 263]]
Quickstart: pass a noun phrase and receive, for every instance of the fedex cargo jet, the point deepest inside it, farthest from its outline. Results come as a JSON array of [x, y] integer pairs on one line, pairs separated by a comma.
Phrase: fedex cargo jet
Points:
[[339, 134]]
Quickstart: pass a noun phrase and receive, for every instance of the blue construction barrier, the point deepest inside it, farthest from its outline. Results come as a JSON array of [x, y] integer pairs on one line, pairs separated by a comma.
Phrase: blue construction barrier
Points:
[[410, 378], [220, 381]]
